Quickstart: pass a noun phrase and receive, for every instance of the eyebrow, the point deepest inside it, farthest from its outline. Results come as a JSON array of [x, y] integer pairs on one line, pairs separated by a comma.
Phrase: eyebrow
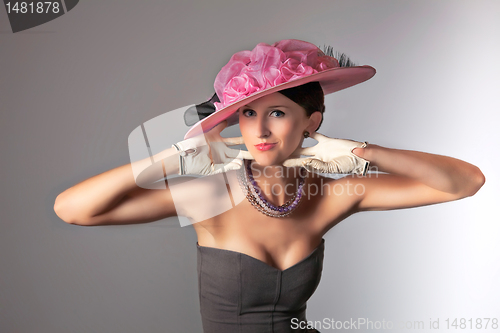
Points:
[[270, 107]]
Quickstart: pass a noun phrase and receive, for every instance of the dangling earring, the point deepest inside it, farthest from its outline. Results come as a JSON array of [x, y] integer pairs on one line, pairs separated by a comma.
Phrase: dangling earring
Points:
[[306, 134]]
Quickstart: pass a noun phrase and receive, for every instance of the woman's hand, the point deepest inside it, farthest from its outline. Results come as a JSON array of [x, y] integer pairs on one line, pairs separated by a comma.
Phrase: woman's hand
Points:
[[330, 156], [209, 154]]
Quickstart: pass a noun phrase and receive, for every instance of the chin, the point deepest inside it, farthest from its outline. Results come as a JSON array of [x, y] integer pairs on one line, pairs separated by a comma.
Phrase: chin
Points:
[[268, 160], [266, 163]]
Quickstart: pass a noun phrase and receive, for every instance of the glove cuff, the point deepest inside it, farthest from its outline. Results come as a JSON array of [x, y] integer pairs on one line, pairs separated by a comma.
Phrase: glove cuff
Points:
[[182, 153], [367, 163]]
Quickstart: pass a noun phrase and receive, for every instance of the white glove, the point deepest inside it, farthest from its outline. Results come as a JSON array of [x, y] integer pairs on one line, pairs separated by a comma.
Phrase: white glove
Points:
[[209, 154], [331, 156]]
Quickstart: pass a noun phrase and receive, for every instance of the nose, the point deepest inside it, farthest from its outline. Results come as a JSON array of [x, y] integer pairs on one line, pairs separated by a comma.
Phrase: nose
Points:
[[262, 128]]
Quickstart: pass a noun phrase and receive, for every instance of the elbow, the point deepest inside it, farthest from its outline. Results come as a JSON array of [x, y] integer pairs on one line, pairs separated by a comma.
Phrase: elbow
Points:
[[481, 179], [477, 181], [63, 210], [58, 208]]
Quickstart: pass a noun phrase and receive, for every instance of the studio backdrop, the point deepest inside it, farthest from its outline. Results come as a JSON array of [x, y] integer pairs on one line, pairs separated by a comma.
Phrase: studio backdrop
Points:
[[74, 88]]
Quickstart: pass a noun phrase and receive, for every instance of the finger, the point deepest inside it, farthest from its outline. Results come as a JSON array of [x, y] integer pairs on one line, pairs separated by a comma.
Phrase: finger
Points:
[[293, 162], [218, 168], [237, 153], [321, 166], [243, 154], [219, 127], [233, 141], [318, 136], [224, 167], [233, 165]]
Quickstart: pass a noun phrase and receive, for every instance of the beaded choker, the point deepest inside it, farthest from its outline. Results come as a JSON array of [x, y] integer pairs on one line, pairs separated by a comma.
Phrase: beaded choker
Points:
[[256, 197]]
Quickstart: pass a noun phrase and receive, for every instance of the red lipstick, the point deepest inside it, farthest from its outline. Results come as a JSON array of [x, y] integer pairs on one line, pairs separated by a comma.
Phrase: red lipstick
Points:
[[265, 146]]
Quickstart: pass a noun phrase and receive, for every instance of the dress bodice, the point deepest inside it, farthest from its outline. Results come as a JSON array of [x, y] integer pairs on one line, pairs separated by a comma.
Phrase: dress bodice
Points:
[[240, 294]]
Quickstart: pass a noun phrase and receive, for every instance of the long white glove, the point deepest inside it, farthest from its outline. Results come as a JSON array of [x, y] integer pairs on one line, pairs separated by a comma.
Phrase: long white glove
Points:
[[209, 154], [331, 156]]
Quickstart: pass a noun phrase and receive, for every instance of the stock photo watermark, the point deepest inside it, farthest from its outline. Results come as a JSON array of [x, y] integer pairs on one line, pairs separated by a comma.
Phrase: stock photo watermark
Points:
[[485, 323], [325, 186], [224, 194], [25, 15]]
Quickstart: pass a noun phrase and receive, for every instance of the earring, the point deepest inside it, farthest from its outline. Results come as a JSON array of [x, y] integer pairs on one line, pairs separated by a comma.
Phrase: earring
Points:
[[306, 134]]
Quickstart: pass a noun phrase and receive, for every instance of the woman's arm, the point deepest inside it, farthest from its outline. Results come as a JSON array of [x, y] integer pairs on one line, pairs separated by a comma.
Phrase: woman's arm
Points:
[[113, 197], [132, 194], [414, 179]]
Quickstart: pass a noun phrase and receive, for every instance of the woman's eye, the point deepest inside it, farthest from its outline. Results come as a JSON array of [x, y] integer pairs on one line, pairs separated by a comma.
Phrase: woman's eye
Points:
[[278, 113], [248, 113]]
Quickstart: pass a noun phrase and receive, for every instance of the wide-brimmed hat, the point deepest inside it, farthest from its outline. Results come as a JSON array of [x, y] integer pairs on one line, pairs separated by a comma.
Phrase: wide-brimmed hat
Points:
[[266, 69]]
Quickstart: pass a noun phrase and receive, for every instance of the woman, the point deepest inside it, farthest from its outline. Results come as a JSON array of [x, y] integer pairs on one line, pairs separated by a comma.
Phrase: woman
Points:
[[260, 256]]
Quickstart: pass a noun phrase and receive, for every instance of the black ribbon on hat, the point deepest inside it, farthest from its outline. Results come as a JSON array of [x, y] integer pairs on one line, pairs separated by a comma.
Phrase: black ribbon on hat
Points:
[[200, 111]]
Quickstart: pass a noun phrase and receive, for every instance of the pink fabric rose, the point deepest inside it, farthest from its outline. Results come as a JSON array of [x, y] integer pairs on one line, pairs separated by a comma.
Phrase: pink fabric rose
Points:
[[292, 69], [242, 85], [266, 66]]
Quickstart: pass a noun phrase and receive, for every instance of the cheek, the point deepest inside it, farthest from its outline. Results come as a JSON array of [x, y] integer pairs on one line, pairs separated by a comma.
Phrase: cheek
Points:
[[290, 133], [245, 132], [243, 128]]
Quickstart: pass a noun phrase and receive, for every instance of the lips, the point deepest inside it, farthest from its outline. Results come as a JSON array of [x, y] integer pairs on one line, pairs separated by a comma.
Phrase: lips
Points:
[[265, 146]]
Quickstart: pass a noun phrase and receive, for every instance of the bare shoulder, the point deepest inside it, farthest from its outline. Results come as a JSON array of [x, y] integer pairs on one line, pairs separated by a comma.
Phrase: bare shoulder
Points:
[[203, 198], [334, 199], [216, 216]]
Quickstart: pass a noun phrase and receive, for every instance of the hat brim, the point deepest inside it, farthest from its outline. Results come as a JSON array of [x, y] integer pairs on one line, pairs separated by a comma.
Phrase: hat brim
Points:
[[331, 80]]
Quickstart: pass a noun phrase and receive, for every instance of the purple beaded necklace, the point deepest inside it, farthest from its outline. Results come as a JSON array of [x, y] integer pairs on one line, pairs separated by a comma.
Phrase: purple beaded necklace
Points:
[[255, 195]]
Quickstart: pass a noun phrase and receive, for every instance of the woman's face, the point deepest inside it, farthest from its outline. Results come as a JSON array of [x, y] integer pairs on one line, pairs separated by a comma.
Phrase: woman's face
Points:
[[272, 128]]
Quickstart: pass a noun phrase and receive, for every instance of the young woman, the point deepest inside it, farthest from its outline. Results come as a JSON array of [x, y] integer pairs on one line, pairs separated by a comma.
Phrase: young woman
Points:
[[260, 254]]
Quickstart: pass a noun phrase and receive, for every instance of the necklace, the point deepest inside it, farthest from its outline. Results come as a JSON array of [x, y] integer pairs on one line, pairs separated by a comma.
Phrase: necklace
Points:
[[255, 196]]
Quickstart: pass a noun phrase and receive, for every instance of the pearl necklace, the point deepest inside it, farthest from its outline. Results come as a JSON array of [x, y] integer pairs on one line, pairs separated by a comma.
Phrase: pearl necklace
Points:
[[254, 194]]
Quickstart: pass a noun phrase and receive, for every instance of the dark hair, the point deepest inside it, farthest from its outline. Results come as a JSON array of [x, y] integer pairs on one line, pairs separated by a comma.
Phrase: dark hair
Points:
[[310, 96]]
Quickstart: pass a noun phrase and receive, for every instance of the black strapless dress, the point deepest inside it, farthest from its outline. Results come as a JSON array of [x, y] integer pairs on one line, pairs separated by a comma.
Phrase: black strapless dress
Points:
[[241, 294]]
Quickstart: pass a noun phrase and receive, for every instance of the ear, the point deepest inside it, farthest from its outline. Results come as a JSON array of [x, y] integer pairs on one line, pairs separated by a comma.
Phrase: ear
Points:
[[314, 121]]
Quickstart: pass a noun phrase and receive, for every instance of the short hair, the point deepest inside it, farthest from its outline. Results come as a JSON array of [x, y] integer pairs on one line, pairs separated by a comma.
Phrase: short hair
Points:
[[310, 96]]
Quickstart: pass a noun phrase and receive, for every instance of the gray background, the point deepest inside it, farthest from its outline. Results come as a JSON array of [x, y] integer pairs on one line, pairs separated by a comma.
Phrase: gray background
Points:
[[73, 89]]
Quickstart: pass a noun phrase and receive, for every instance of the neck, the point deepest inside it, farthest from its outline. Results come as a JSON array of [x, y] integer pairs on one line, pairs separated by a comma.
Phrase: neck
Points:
[[277, 182]]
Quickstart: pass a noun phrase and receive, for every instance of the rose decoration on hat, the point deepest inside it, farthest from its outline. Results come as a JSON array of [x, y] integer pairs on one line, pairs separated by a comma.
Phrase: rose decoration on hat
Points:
[[266, 66]]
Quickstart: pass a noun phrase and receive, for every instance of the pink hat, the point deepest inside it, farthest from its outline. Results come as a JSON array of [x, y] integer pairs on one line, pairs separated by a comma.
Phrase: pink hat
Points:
[[266, 69]]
